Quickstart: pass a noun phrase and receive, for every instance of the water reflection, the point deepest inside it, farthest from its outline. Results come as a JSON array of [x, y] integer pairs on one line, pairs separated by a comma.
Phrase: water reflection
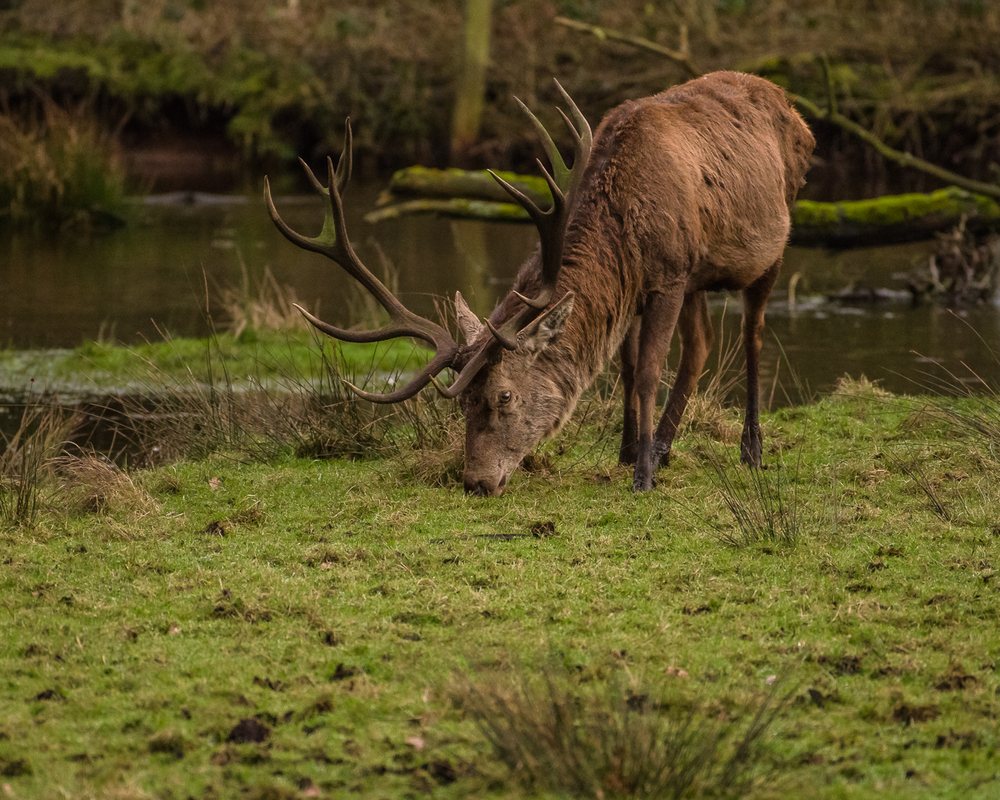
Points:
[[152, 279]]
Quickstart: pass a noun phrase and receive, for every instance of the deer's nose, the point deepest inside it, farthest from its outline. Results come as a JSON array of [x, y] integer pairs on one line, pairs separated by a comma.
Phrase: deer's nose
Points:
[[485, 487], [477, 488]]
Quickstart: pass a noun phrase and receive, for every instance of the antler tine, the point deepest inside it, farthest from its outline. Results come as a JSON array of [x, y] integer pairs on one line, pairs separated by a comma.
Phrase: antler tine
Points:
[[316, 184], [345, 163], [581, 126], [505, 341], [412, 388], [361, 337], [564, 182], [464, 378], [559, 168], [539, 217], [528, 301], [551, 227], [334, 243]]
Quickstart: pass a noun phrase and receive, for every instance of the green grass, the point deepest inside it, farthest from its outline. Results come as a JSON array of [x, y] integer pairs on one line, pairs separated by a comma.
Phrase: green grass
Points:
[[347, 607], [269, 356]]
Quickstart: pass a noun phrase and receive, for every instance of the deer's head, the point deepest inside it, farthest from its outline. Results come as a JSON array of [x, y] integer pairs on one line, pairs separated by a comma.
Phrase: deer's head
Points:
[[513, 402]]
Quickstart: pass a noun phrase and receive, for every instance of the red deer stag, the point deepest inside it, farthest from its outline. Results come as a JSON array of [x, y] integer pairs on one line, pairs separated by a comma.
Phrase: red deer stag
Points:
[[675, 195]]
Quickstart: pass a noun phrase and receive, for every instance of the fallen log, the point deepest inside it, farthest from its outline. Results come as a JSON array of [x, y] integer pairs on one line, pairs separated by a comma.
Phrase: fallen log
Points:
[[424, 182], [453, 208], [891, 219]]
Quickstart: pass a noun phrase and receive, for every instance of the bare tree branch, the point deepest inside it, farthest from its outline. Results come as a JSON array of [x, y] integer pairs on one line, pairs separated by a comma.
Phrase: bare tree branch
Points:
[[890, 153], [681, 57], [808, 107]]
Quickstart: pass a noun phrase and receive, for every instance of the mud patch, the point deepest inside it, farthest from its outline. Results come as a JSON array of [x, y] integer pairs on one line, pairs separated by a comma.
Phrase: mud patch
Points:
[[908, 714], [249, 731], [955, 680], [14, 767], [842, 665], [966, 740], [342, 673]]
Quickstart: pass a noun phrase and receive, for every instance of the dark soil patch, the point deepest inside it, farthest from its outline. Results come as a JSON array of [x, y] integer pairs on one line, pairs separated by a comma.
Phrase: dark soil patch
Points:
[[249, 730], [908, 714]]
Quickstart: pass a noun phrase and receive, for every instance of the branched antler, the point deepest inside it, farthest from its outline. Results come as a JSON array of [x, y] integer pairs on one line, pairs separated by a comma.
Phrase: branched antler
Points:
[[333, 242], [564, 183]]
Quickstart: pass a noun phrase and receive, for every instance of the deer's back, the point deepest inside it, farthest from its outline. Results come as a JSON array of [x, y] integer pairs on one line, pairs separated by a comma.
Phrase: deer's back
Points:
[[701, 177]]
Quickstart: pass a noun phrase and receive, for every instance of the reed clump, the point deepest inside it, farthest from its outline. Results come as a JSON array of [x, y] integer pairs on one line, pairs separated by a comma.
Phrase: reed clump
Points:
[[36, 436], [59, 169]]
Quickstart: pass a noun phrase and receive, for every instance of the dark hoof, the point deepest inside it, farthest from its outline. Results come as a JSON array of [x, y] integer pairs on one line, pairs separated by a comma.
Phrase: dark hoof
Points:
[[640, 484]]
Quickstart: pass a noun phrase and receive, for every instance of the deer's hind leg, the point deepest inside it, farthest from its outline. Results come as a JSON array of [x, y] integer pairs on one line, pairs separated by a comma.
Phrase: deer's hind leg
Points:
[[697, 337], [755, 298]]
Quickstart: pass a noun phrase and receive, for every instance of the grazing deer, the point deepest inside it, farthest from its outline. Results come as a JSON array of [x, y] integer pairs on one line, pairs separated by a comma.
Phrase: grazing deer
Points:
[[675, 195]]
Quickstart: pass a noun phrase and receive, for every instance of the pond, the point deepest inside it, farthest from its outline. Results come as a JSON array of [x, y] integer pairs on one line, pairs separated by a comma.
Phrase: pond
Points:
[[164, 276]]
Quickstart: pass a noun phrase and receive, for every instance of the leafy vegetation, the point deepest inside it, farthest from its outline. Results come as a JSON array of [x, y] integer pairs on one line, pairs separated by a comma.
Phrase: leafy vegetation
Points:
[[36, 436], [278, 79]]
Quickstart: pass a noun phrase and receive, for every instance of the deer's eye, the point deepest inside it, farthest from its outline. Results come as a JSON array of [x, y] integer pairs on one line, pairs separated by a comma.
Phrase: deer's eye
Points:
[[504, 398]]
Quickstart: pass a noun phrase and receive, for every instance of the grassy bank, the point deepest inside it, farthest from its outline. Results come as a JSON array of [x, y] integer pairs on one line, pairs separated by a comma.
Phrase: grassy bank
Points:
[[229, 626], [255, 357]]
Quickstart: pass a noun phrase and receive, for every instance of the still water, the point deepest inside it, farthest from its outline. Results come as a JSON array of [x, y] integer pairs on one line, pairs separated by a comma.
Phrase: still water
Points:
[[164, 275]]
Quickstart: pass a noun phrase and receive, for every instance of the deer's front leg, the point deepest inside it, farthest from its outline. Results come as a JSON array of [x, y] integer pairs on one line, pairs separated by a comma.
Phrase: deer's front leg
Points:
[[659, 318], [695, 329], [629, 450]]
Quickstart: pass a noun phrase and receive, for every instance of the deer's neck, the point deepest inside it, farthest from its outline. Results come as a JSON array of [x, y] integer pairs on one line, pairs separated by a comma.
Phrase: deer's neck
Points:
[[600, 271]]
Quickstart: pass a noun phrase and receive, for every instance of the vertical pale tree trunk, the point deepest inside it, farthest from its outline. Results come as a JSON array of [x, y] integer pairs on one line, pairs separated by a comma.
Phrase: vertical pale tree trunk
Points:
[[472, 82]]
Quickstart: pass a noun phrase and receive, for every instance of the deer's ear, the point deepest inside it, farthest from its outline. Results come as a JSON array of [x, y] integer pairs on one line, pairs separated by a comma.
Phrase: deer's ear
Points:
[[468, 323], [547, 328]]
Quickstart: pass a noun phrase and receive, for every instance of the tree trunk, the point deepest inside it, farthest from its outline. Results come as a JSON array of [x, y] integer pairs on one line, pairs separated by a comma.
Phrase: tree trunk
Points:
[[472, 81]]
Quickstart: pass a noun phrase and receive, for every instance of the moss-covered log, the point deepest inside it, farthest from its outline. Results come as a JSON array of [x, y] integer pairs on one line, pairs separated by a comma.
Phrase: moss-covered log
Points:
[[453, 208], [890, 219], [856, 223], [423, 182]]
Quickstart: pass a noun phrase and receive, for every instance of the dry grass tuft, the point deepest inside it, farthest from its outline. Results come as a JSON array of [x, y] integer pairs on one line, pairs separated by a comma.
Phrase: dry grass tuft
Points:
[[763, 506], [59, 167], [849, 388], [268, 305], [976, 415], [437, 455], [705, 415], [709, 412], [97, 485], [313, 416]]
